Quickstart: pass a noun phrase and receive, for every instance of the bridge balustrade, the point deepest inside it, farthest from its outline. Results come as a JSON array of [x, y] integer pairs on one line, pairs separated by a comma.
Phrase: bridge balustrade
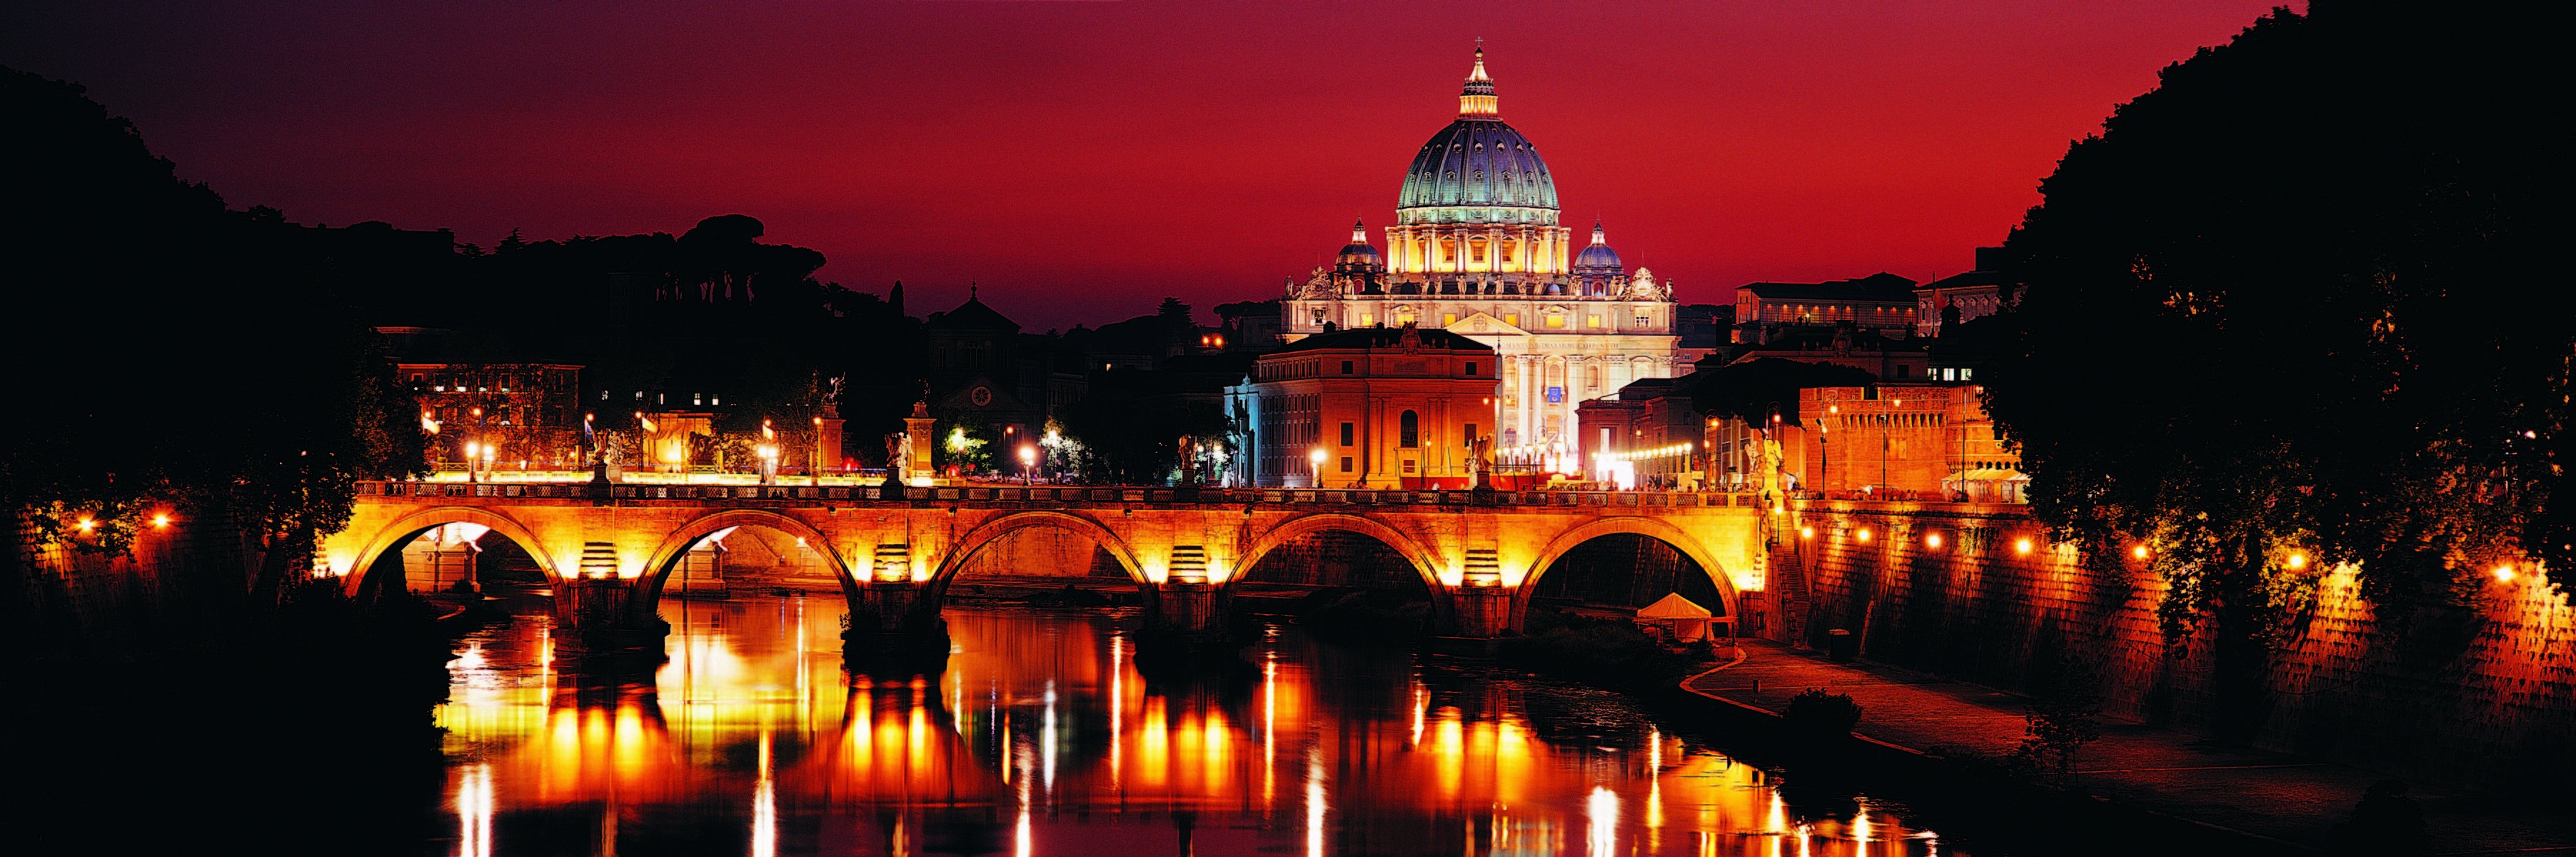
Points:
[[1232, 496]]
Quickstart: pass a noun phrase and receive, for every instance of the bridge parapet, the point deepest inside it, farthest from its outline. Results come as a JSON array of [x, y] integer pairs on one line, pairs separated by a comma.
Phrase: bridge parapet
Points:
[[1083, 495], [1477, 552]]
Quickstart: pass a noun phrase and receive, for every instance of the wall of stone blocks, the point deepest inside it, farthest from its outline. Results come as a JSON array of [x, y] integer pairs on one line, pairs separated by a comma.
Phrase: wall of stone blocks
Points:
[[2482, 695], [66, 598]]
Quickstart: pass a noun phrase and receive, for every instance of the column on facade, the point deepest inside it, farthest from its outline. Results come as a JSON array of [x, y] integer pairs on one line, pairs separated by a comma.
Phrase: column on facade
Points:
[[1571, 429], [1372, 459], [1521, 400]]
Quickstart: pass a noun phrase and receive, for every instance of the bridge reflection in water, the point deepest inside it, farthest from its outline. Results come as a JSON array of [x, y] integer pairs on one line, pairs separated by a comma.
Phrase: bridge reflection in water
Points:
[[1042, 738]]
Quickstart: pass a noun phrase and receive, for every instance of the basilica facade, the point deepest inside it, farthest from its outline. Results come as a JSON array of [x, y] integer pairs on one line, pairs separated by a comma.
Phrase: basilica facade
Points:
[[1477, 249]]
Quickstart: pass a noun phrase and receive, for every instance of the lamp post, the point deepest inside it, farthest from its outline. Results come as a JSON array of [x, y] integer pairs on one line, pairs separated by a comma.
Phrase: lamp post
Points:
[[1883, 428], [1316, 459], [1028, 464], [814, 466], [1825, 446]]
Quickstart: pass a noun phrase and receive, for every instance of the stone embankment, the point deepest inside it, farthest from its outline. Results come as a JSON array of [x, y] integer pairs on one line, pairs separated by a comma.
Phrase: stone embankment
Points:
[[1950, 729]]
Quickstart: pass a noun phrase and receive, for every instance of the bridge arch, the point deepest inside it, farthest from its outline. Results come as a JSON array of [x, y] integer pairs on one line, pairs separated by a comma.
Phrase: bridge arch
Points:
[[673, 547], [964, 548], [392, 537], [1653, 528], [1425, 563]]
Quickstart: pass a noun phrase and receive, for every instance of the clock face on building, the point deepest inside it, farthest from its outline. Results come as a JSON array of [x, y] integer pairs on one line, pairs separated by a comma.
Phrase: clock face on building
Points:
[[981, 395]]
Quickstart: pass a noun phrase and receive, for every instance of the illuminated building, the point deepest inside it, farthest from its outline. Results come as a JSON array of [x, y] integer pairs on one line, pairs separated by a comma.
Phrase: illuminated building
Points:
[[1477, 250], [1975, 294], [1374, 407], [1880, 303], [1929, 441]]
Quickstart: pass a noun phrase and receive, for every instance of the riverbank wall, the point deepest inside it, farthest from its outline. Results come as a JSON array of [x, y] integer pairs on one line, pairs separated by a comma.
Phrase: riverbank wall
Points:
[[59, 597], [2482, 695]]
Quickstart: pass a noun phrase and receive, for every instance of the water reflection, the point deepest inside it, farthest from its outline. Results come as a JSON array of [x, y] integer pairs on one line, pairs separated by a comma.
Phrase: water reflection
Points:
[[1042, 738]]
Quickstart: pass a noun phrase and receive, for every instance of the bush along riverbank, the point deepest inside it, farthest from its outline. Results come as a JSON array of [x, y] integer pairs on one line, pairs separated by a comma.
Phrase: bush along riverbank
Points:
[[309, 723], [1612, 654]]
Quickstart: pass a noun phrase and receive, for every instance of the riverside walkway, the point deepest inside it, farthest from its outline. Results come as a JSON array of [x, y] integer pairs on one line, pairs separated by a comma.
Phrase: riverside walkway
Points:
[[2291, 800]]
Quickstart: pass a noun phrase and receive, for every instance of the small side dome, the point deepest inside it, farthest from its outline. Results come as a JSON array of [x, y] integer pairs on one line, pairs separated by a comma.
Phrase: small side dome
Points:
[[1598, 259], [1359, 255]]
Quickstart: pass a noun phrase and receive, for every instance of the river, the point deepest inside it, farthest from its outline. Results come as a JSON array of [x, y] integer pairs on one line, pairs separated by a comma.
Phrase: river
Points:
[[1041, 738]]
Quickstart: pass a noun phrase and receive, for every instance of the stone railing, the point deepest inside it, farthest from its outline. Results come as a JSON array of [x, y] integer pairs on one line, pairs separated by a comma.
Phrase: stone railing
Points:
[[572, 490]]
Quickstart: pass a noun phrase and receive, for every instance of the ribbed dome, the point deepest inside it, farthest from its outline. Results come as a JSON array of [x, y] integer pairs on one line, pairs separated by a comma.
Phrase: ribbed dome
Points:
[[1478, 167], [1598, 258]]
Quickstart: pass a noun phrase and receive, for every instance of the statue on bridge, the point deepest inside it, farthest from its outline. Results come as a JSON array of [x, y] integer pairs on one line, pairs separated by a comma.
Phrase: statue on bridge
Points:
[[898, 457], [1480, 461]]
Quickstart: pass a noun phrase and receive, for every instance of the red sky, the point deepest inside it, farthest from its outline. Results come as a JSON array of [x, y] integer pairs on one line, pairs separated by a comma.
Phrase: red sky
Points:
[[1081, 160]]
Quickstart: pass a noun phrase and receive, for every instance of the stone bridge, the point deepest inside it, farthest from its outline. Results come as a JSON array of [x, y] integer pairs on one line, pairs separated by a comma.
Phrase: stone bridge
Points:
[[612, 546]]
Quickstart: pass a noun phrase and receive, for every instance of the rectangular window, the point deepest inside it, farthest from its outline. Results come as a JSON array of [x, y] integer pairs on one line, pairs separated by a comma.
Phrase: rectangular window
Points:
[[1448, 318], [1408, 465], [1512, 318], [1346, 367], [1643, 321], [1471, 368], [1470, 436], [1591, 321], [1556, 321], [1368, 319], [1346, 434], [1346, 464]]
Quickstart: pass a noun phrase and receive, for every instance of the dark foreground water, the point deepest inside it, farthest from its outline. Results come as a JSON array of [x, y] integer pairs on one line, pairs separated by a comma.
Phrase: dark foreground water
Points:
[[1041, 738]]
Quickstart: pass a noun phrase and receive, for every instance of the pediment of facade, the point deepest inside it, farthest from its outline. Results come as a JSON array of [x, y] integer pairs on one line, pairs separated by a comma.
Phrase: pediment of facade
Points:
[[1484, 324]]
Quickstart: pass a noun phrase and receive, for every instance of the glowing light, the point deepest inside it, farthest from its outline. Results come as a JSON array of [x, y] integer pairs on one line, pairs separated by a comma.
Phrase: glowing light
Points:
[[1932, 540], [1806, 532], [161, 521], [1601, 816], [86, 524], [2504, 573], [2021, 545], [2140, 551], [1863, 535], [2297, 561]]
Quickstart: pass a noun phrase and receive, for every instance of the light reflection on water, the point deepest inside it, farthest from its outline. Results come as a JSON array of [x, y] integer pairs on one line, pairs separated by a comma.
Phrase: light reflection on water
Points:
[[1041, 738]]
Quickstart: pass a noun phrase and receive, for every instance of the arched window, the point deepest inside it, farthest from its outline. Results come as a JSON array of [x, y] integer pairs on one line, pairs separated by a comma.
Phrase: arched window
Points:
[[1408, 430]]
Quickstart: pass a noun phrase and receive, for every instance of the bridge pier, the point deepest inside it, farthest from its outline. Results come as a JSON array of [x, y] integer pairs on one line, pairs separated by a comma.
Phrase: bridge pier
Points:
[[1482, 612], [890, 607], [597, 616], [894, 630], [1187, 609]]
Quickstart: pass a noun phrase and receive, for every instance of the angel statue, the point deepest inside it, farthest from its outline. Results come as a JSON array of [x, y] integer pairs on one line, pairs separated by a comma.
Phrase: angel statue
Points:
[[1643, 284]]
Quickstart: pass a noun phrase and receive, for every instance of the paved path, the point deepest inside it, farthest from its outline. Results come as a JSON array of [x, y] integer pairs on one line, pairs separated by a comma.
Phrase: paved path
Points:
[[2281, 797]]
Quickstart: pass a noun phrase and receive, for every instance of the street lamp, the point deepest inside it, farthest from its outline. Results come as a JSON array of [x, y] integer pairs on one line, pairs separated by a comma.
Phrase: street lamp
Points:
[[1883, 429], [1316, 458], [1028, 464]]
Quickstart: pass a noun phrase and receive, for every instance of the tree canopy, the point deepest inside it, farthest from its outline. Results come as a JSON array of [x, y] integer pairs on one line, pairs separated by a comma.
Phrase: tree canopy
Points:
[[2290, 310], [178, 355]]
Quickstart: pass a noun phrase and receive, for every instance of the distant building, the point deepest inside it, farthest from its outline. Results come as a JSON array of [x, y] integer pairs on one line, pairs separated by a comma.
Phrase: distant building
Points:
[[1871, 351], [1975, 294], [1386, 407], [982, 368], [1646, 434], [1477, 249], [527, 412], [1924, 441], [1880, 303]]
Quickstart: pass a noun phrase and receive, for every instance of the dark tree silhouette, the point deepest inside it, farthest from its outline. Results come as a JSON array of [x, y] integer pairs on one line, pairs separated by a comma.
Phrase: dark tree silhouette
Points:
[[2285, 304], [178, 357]]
